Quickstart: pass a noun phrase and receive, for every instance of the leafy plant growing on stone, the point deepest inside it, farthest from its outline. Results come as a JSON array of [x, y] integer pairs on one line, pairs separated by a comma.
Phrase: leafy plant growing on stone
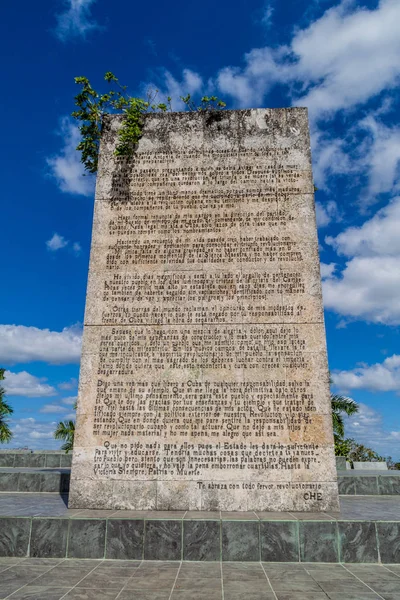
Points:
[[5, 411], [92, 107]]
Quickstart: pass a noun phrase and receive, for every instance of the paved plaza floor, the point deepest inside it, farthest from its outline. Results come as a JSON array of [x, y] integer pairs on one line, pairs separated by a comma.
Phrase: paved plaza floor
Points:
[[379, 508], [53, 579]]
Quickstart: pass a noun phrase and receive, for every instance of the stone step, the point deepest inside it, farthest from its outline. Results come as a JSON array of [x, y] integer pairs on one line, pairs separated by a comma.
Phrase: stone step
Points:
[[212, 539], [34, 480]]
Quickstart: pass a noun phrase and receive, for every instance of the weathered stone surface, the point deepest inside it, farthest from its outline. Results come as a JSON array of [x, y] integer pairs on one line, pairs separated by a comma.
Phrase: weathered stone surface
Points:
[[204, 381]]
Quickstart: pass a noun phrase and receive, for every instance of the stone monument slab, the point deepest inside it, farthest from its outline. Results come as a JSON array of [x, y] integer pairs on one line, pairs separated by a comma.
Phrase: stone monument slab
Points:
[[204, 382]]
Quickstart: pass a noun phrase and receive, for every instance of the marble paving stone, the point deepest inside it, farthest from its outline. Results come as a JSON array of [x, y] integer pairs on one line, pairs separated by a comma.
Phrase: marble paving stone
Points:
[[369, 595], [14, 538], [79, 593], [279, 541], [389, 485], [389, 542], [9, 482], [318, 542], [197, 595], [201, 540], [346, 485], [155, 583], [61, 577], [163, 540], [86, 538], [124, 539], [144, 595], [343, 587], [34, 592], [49, 538], [255, 586], [29, 482], [366, 486], [264, 595], [193, 583], [275, 516], [357, 542], [240, 541], [101, 581], [301, 596], [385, 587], [198, 514], [120, 564]]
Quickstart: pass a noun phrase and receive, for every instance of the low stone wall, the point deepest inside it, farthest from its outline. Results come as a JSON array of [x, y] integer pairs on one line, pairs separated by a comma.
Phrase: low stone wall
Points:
[[369, 485], [201, 540], [35, 460], [37, 481]]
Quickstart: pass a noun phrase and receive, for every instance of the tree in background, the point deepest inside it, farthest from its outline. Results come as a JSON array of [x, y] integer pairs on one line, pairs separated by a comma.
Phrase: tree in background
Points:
[[65, 430], [5, 411], [341, 405]]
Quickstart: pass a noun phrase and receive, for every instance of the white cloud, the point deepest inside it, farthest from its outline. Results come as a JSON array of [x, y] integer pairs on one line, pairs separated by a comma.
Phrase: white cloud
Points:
[[56, 243], [37, 435], [380, 377], [380, 156], [25, 384], [369, 285], [66, 167], [20, 344], [76, 248], [327, 270], [52, 409], [326, 213], [68, 385], [76, 20], [266, 19], [70, 401], [69, 417], [367, 428], [191, 83], [344, 58]]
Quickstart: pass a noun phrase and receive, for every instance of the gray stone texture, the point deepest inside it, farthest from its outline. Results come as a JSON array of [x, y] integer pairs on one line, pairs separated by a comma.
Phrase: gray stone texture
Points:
[[86, 538], [49, 538], [14, 536], [125, 539], [201, 540], [357, 542], [389, 541], [341, 463], [240, 541], [163, 540], [279, 541], [204, 267], [318, 541], [366, 486]]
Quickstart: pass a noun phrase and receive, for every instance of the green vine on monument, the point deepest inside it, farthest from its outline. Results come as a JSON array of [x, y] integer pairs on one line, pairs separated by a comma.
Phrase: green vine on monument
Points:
[[92, 107]]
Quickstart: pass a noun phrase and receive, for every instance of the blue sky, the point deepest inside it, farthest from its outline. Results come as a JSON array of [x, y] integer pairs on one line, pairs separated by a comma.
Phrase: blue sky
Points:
[[341, 60]]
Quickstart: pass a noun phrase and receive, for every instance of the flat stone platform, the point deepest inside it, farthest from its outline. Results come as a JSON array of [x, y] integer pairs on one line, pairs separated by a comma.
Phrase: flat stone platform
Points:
[[367, 530], [363, 482], [53, 579]]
